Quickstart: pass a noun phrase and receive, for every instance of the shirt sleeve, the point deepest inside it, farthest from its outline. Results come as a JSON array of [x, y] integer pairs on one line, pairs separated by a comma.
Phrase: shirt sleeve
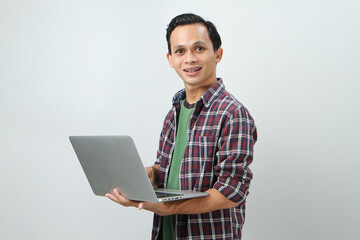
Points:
[[165, 145], [235, 154]]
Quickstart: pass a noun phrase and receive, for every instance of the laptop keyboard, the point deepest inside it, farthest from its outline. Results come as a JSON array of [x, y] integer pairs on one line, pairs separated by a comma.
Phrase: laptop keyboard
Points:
[[163, 194]]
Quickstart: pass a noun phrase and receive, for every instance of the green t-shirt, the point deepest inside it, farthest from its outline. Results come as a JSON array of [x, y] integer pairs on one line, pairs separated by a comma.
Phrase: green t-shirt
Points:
[[168, 222]]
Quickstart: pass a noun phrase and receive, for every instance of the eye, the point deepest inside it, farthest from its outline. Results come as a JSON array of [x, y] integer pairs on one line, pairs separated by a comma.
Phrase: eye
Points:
[[179, 51], [200, 48]]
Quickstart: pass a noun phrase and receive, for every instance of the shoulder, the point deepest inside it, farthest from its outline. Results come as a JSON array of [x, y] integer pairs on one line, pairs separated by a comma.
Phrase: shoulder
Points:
[[235, 115], [229, 105]]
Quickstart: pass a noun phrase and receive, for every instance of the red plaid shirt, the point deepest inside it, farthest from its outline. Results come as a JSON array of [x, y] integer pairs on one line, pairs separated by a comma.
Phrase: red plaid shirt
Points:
[[222, 135]]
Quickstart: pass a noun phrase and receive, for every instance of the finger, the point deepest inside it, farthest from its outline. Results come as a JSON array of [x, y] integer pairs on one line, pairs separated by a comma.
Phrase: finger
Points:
[[118, 195], [121, 199], [141, 205], [111, 197]]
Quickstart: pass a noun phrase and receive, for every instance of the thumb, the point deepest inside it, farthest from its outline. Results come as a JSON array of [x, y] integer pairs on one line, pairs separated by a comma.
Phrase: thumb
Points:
[[141, 205]]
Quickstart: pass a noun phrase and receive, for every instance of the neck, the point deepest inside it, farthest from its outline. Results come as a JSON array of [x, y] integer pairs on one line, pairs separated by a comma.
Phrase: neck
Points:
[[193, 93]]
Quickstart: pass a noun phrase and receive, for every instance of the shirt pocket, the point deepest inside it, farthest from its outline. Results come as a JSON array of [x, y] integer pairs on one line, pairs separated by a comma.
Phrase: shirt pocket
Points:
[[206, 163]]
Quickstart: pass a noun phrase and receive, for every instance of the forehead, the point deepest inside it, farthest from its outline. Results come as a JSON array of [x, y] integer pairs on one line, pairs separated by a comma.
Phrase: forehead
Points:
[[188, 34]]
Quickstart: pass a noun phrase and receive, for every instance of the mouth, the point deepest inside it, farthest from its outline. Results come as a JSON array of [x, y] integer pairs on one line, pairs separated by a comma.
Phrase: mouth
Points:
[[192, 69]]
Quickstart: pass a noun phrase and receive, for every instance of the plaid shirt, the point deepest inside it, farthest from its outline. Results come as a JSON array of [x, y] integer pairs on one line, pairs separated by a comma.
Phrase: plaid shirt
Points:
[[220, 149]]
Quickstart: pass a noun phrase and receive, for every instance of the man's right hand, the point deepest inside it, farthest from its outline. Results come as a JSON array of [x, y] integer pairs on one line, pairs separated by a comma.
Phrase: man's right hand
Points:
[[153, 173]]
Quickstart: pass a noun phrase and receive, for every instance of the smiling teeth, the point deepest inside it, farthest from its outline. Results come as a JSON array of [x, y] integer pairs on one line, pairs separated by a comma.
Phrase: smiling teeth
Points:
[[194, 70]]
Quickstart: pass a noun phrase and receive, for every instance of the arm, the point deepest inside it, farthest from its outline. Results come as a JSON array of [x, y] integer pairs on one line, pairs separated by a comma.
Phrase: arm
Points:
[[234, 156], [214, 201]]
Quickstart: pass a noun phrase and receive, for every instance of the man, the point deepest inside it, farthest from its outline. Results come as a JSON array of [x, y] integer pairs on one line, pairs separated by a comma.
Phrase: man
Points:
[[206, 143]]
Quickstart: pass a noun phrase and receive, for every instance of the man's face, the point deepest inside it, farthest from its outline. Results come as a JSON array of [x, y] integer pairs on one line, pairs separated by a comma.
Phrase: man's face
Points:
[[193, 56]]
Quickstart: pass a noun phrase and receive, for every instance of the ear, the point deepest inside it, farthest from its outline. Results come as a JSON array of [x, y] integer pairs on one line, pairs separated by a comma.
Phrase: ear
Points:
[[219, 54], [170, 60]]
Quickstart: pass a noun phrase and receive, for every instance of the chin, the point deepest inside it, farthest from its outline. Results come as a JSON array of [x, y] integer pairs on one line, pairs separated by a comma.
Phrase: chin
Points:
[[197, 82], [193, 82]]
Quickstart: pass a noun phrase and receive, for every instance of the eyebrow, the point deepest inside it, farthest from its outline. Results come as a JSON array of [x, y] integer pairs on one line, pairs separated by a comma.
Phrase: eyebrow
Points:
[[195, 43], [199, 42]]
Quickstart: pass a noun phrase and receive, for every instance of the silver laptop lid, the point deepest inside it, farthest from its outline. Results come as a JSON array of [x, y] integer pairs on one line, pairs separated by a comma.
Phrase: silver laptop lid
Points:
[[113, 162]]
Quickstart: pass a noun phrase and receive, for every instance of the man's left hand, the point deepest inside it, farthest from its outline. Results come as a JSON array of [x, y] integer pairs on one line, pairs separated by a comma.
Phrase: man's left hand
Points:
[[158, 207]]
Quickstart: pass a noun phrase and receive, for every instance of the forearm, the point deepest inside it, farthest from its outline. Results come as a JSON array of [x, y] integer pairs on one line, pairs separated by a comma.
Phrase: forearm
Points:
[[213, 201]]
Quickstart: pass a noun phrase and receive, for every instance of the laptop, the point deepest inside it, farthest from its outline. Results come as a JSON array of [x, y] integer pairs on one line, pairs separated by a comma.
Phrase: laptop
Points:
[[113, 162]]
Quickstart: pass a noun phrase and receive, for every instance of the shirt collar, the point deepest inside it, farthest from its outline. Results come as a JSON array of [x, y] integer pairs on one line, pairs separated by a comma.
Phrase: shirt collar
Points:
[[207, 98]]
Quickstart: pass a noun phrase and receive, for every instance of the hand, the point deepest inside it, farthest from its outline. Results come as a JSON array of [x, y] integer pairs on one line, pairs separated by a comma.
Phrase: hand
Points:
[[118, 198], [156, 207], [152, 173]]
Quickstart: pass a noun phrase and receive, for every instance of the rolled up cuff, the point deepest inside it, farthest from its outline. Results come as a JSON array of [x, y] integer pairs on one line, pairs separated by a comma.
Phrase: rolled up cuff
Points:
[[232, 189]]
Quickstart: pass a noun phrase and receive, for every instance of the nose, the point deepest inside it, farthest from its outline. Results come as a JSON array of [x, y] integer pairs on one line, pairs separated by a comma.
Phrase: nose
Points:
[[190, 57]]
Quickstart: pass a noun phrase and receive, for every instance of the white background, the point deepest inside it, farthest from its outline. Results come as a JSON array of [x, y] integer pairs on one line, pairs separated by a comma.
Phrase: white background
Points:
[[99, 67]]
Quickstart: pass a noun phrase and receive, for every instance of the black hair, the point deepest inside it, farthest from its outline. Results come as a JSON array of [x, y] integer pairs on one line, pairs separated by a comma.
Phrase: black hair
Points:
[[189, 18]]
